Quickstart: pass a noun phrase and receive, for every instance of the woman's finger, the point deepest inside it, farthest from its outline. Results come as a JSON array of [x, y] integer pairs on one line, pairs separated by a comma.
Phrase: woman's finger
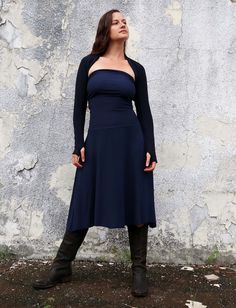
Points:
[[148, 156], [82, 151], [151, 167], [75, 161]]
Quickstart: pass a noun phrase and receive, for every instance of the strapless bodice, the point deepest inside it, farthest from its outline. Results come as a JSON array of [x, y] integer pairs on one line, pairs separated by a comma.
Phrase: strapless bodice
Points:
[[110, 93]]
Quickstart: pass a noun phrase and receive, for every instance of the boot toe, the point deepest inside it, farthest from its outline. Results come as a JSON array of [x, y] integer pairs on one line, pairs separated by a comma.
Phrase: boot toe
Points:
[[47, 283], [140, 291], [139, 283], [138, 294], [43, 284]]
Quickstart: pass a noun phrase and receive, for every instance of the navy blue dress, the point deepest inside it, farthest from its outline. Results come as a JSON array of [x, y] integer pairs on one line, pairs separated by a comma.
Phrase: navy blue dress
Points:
[[112, 189]]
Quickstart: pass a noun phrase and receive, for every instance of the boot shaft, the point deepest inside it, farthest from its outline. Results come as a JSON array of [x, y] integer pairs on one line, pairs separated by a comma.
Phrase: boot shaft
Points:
[[138, 245], [70, 244]]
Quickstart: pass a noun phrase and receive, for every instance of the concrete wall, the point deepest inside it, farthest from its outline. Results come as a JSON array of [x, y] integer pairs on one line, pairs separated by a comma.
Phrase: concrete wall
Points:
[[189, 51]]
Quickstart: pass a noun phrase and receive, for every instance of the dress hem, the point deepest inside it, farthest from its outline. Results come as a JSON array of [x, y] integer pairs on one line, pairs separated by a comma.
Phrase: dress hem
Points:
[[150, 224]]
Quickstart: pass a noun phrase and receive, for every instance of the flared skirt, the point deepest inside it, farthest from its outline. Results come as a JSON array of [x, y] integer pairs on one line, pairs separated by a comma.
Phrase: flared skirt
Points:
[[112, 189]]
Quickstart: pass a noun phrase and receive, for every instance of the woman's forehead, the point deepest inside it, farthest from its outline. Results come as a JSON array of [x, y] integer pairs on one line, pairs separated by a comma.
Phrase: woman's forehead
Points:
[[117, 15]]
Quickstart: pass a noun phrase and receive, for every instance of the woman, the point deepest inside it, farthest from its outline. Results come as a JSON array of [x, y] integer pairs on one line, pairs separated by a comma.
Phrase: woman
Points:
[[113, 184]]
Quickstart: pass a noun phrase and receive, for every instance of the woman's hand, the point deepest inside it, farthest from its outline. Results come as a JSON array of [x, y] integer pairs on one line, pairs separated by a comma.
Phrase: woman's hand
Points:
[[76, 159], [153, 164]]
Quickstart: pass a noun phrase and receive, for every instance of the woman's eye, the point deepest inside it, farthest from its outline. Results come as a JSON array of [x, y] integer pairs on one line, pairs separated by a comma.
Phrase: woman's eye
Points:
[[115, 23]]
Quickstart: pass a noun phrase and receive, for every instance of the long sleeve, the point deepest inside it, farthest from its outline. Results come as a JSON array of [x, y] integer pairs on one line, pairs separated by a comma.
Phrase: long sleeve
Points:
[[144, 113], [80, 105]]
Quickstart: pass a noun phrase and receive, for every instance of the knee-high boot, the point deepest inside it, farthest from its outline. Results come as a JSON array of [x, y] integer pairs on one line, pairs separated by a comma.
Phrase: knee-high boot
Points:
[[138, 248], [61, 268]]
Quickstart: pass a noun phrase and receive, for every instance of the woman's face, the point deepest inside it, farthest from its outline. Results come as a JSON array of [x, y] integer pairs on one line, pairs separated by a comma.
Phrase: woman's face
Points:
[[119, 28]]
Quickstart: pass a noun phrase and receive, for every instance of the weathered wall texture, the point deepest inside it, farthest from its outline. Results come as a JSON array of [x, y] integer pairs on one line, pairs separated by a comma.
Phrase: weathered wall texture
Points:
[[189, 51]]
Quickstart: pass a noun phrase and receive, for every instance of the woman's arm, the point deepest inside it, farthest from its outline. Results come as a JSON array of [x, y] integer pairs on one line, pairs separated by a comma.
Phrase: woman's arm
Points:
[[144, 113], [80, 105]]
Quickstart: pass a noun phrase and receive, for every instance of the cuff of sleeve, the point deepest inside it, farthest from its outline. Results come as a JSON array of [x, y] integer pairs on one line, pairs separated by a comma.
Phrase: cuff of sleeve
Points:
[[153, 155], [77, 149], [153, 158]]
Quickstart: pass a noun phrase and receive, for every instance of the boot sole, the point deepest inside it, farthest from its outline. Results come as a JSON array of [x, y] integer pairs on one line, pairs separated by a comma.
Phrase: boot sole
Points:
[[139, 294], [53, 284]]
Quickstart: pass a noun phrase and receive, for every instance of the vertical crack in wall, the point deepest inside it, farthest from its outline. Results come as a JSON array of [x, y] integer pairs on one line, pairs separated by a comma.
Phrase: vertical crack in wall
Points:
[[181, 31], [68, 64], [175, 11]]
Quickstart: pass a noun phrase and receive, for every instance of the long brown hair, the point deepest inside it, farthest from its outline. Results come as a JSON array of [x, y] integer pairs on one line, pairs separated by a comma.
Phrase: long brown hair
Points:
[[102, 38]]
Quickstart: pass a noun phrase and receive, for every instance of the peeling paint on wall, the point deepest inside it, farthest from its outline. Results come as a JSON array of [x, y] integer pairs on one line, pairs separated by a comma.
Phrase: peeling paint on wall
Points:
[[175, 155], [23, 169], [36, 226], [16, 222], [22, 74], [174, 11], [13, 29], [200, 236], [62, 180], [221, 129], [10, 34], [7, 124]]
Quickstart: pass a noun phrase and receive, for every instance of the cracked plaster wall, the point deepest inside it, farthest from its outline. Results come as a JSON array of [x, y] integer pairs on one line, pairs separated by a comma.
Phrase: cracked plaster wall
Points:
[[189, 51]]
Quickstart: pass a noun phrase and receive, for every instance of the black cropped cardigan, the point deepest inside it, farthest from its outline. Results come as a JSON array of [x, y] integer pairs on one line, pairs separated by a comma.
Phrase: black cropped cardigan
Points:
[[141, 103]]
